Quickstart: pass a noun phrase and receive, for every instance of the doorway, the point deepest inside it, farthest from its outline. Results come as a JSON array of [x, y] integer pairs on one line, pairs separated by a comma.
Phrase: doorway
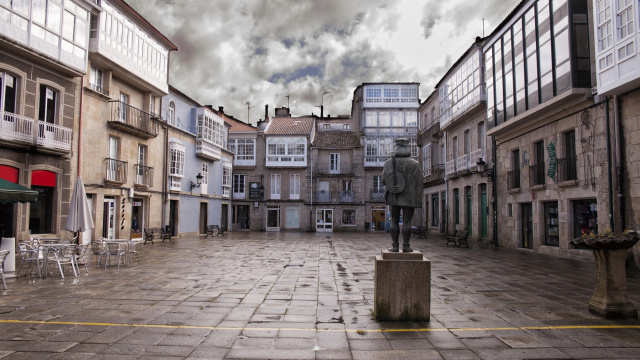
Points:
[[324, 220], [203, 218], [243, 217], [377, 219], [224, 216], [109, 218], [173, 216], [469, 217], [443, 214], [527, 225], [484, 211], [273, 219]]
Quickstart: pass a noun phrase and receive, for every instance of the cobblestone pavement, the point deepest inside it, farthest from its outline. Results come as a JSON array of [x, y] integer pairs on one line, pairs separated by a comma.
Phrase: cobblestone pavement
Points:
[[310, 296]]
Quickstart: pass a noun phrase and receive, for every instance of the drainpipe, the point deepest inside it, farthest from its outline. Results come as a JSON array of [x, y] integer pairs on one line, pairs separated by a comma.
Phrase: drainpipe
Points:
[[494, 177], [618, 160], [80, 122], [165, 181], [311, 210], [606, 115]]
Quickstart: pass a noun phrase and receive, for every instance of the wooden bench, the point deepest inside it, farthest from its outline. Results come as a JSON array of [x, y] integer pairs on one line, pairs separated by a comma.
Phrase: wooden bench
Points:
[[420, 232], [151, 233], [215, 228], [452, 238], [458, 238]]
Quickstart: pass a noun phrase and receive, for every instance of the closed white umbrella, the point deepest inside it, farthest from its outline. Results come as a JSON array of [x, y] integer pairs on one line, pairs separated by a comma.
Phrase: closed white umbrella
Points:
[[79, 217]]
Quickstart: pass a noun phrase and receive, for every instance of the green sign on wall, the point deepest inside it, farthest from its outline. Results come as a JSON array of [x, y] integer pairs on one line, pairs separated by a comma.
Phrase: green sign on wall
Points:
[[551, 150]]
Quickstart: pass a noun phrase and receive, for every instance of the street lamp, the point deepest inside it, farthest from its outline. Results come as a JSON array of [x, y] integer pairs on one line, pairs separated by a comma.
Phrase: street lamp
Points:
[[198, 180]]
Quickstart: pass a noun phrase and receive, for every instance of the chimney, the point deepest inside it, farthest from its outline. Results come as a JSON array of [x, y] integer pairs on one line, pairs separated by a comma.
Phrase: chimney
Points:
[[321, 111], [266, 112], [221, 109]]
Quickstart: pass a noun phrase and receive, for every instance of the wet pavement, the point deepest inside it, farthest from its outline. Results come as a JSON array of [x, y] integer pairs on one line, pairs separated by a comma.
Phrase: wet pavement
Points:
[[256, 295]]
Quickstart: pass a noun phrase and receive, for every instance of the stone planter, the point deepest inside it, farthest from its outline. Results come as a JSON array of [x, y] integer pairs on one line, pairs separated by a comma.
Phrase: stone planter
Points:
[[610, 298]]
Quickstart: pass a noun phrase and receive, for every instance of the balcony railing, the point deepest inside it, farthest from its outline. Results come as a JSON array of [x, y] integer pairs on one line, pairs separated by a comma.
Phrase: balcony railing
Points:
[[144, 176], [476, 155], [132, 120], [376, 194], [567, 168], [347, 196], [326, 169], [375, 161], [19, 130], [451, 167], [436, 174], [115, 170], [462, 162], [513, 179], [323, 196], [536, 174]]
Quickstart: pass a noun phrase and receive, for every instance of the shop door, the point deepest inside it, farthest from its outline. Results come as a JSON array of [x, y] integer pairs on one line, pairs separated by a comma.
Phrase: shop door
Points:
[[243, 217], [273, 219], [173, 216], [443, 214], [324, 220], [527, 226], [137, 218], [87, 235], [467, 191], [203, 218], [377, 220], [483, 211], [224, 216], [109, 218]]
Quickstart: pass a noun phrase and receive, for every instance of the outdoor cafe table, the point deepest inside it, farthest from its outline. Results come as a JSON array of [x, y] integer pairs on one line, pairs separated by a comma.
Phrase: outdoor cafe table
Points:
[[125, 243], [44, 248]]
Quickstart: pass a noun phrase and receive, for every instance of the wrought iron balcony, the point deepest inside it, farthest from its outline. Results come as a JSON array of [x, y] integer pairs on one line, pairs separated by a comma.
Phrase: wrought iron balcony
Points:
[[536, 174], [323, 196], [347, 196], [568, 168], [129, 119], [144, 176], [115, 171], [326, 169], [18, 130], [513, 179], [435, 175], [376, 194]]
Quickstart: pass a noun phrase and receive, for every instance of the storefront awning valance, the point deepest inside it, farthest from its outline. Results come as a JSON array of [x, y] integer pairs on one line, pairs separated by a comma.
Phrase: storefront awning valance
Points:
[[11, 193]]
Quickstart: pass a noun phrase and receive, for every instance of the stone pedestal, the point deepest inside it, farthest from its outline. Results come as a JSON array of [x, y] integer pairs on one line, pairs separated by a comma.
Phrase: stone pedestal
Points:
[[402, 287], [610, 298]]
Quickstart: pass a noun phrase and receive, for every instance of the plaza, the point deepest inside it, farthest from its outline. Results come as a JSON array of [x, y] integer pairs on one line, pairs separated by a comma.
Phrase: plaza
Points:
[[286, 295]]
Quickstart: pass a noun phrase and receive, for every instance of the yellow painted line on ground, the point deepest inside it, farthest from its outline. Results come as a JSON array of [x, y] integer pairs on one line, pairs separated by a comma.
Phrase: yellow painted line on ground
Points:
[[568, 327]]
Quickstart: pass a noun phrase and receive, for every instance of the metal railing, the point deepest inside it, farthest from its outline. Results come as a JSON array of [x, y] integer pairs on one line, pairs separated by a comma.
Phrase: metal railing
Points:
[[326, 169], [347, 196], [54, 136], [376, 194], [14, 127], [144, 175], [99, 89], [568, 169], [513, 179], [536, 174], [116, 170], [323, 196], [436, 173], [133, 117]]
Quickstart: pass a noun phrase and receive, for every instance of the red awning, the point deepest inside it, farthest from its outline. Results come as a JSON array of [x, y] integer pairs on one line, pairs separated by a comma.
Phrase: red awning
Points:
[[43, 178]]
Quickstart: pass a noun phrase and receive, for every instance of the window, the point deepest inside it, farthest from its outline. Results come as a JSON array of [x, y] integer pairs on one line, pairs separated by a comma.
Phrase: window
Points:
[[334, 164], [172, 113], [74, 29], [96, 81], [275, 186], [205, 174], [481, 136], [426, 160], [286, 152], [349, 217], [377, 183], [326, 126], [245, 151], [346, 126], [456, 204], [455, 148], [238, 186], [624, 19], [293, 218], [47, 105], [513, 176], [41, 217], [567, 169], [434, 210], [211, 128], [467, 142], [93, 26], [226, 178], [413, 144], [177, 152], [124, 108], [347, 185], [294, 187], [8, 93], [112, 157], [141, 169], [605, 40]]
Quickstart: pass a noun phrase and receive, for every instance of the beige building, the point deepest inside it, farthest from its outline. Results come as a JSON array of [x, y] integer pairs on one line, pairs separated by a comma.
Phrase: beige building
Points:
[[123, 143], [43, 55]]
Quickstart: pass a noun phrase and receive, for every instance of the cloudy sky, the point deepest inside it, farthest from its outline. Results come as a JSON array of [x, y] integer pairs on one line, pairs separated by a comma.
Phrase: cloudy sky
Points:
[[234, 51]]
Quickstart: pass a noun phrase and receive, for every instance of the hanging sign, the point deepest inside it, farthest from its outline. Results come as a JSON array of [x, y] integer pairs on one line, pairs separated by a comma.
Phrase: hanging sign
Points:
[[551, 150]]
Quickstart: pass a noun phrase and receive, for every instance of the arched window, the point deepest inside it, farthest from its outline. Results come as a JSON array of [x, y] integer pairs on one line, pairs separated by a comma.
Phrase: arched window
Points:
[[172, 113]]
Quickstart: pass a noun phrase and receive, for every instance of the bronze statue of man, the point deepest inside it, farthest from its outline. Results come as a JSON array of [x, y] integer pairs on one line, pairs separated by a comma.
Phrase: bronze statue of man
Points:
[[402, 177]]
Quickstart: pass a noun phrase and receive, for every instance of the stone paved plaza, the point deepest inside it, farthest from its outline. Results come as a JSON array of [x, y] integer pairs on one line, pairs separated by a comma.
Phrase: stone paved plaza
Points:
[[255, 295]]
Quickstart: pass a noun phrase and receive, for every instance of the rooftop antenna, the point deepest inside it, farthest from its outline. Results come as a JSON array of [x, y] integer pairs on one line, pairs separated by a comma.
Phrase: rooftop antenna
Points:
[[248, 109], [287, 96]]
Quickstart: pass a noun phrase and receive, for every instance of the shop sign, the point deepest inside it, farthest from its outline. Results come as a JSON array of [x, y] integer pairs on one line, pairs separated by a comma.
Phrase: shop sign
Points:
[[551, 150]]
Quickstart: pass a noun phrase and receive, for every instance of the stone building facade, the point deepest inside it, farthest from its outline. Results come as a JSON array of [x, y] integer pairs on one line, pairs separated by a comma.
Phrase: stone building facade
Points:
[[40, 97]]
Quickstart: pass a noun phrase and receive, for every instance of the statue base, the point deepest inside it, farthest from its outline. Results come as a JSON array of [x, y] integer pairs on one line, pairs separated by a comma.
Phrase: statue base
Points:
[[610, 298], [402, 287]]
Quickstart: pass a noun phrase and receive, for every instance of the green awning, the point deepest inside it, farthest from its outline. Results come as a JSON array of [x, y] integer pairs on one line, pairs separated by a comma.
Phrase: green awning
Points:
[[11, 193]]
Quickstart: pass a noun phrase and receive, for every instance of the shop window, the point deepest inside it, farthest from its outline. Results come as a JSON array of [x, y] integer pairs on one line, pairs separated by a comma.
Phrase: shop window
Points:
[[585, 217], [551, 225], [349, 217], [41, 212]]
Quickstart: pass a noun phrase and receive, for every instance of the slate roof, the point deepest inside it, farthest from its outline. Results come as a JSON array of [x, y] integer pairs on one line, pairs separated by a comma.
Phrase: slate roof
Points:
[[336, 139], [291, 126], [238, 126]]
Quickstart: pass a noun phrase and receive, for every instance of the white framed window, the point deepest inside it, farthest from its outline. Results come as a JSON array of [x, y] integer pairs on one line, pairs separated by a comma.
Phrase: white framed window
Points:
[[141, 171], [275, 186], [624, 19], [205, 174], [211, 128], [346, 126], [626, 50], [426, 160], [482, 138], [123, 108], [377, 183], [238, 186], [176, 167], [605, 36], [8, 92], [413, 143], [96, 80], [226, 179], [605, 61], [326, 126], [171, 116], [47, 104], [244, 150], [112, 159], [287, 151], [294, 187], [334, 163]]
